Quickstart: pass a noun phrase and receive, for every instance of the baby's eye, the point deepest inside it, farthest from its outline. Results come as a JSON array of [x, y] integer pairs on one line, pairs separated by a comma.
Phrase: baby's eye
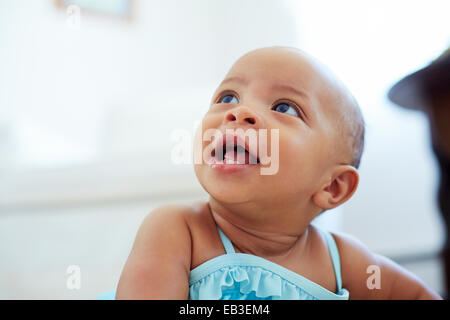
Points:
[[285, 108], [229, 98]]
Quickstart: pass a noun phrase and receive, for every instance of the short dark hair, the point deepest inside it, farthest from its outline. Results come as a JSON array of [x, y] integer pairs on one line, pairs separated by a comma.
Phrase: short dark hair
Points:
[[358, 135], [351, 130]]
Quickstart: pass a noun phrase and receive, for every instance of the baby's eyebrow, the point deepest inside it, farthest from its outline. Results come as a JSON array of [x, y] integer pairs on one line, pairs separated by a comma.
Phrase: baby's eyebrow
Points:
[[276, 87], [285, 87], [234, 79]]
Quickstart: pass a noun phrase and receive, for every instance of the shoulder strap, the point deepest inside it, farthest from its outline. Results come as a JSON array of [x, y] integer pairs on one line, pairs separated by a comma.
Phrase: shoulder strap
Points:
[[226, 242], [334, 253]]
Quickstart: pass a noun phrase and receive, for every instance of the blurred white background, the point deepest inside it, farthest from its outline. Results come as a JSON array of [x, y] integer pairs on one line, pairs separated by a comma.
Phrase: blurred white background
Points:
[[87, 111]]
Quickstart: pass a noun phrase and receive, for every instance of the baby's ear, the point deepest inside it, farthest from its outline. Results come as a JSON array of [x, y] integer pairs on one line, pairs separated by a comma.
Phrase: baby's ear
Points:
[[341, 186]]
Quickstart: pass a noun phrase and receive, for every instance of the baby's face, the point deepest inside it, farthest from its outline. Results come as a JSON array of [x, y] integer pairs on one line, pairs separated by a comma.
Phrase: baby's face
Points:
[[269, 89]]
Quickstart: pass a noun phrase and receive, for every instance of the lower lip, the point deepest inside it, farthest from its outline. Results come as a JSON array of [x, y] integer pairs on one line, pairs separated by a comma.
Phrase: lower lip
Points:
[[231, 168], [224, 167]]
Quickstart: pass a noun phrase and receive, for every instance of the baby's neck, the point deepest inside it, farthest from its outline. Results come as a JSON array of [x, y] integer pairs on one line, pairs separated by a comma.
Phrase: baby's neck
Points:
[[265, 237]]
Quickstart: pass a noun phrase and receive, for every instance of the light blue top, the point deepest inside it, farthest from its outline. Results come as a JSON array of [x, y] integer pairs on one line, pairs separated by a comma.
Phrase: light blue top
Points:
[[241, 276]]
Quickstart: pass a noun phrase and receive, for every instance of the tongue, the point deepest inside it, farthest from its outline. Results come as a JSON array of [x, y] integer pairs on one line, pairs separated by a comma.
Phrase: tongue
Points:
[[233, 157]]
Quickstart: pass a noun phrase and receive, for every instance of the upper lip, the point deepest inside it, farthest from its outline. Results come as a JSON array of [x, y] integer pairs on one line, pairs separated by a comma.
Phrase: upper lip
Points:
[[238, 141]]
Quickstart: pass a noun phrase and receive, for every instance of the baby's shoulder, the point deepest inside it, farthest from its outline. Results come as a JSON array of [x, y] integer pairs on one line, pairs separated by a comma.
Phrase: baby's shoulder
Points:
[[352, 249], [352, 253], [358, 263], [186, 215]]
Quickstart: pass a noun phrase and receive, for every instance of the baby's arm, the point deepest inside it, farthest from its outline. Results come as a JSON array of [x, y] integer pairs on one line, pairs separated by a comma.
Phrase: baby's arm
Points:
[[159, 263], [360, 266]]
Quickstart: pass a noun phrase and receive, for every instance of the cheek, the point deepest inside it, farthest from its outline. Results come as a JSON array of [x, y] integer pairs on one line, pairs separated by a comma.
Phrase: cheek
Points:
[[211, 120], [298, 157], [207, 128]]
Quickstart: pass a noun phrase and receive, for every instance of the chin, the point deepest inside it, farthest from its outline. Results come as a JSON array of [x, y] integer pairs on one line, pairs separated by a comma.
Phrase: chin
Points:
[[228, 188]]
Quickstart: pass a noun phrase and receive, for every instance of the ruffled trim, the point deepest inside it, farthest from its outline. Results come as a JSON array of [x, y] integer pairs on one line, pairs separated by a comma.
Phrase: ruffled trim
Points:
[[251, 282]]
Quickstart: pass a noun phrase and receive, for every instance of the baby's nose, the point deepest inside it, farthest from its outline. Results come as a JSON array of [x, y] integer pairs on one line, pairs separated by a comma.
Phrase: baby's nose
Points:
[[243, 115]]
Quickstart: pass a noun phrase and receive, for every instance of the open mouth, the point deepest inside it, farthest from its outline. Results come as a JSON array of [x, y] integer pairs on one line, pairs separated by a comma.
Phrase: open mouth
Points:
[[232, 149]]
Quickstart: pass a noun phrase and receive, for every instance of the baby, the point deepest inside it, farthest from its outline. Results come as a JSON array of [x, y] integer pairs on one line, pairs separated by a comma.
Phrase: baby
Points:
[[253, 239]]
